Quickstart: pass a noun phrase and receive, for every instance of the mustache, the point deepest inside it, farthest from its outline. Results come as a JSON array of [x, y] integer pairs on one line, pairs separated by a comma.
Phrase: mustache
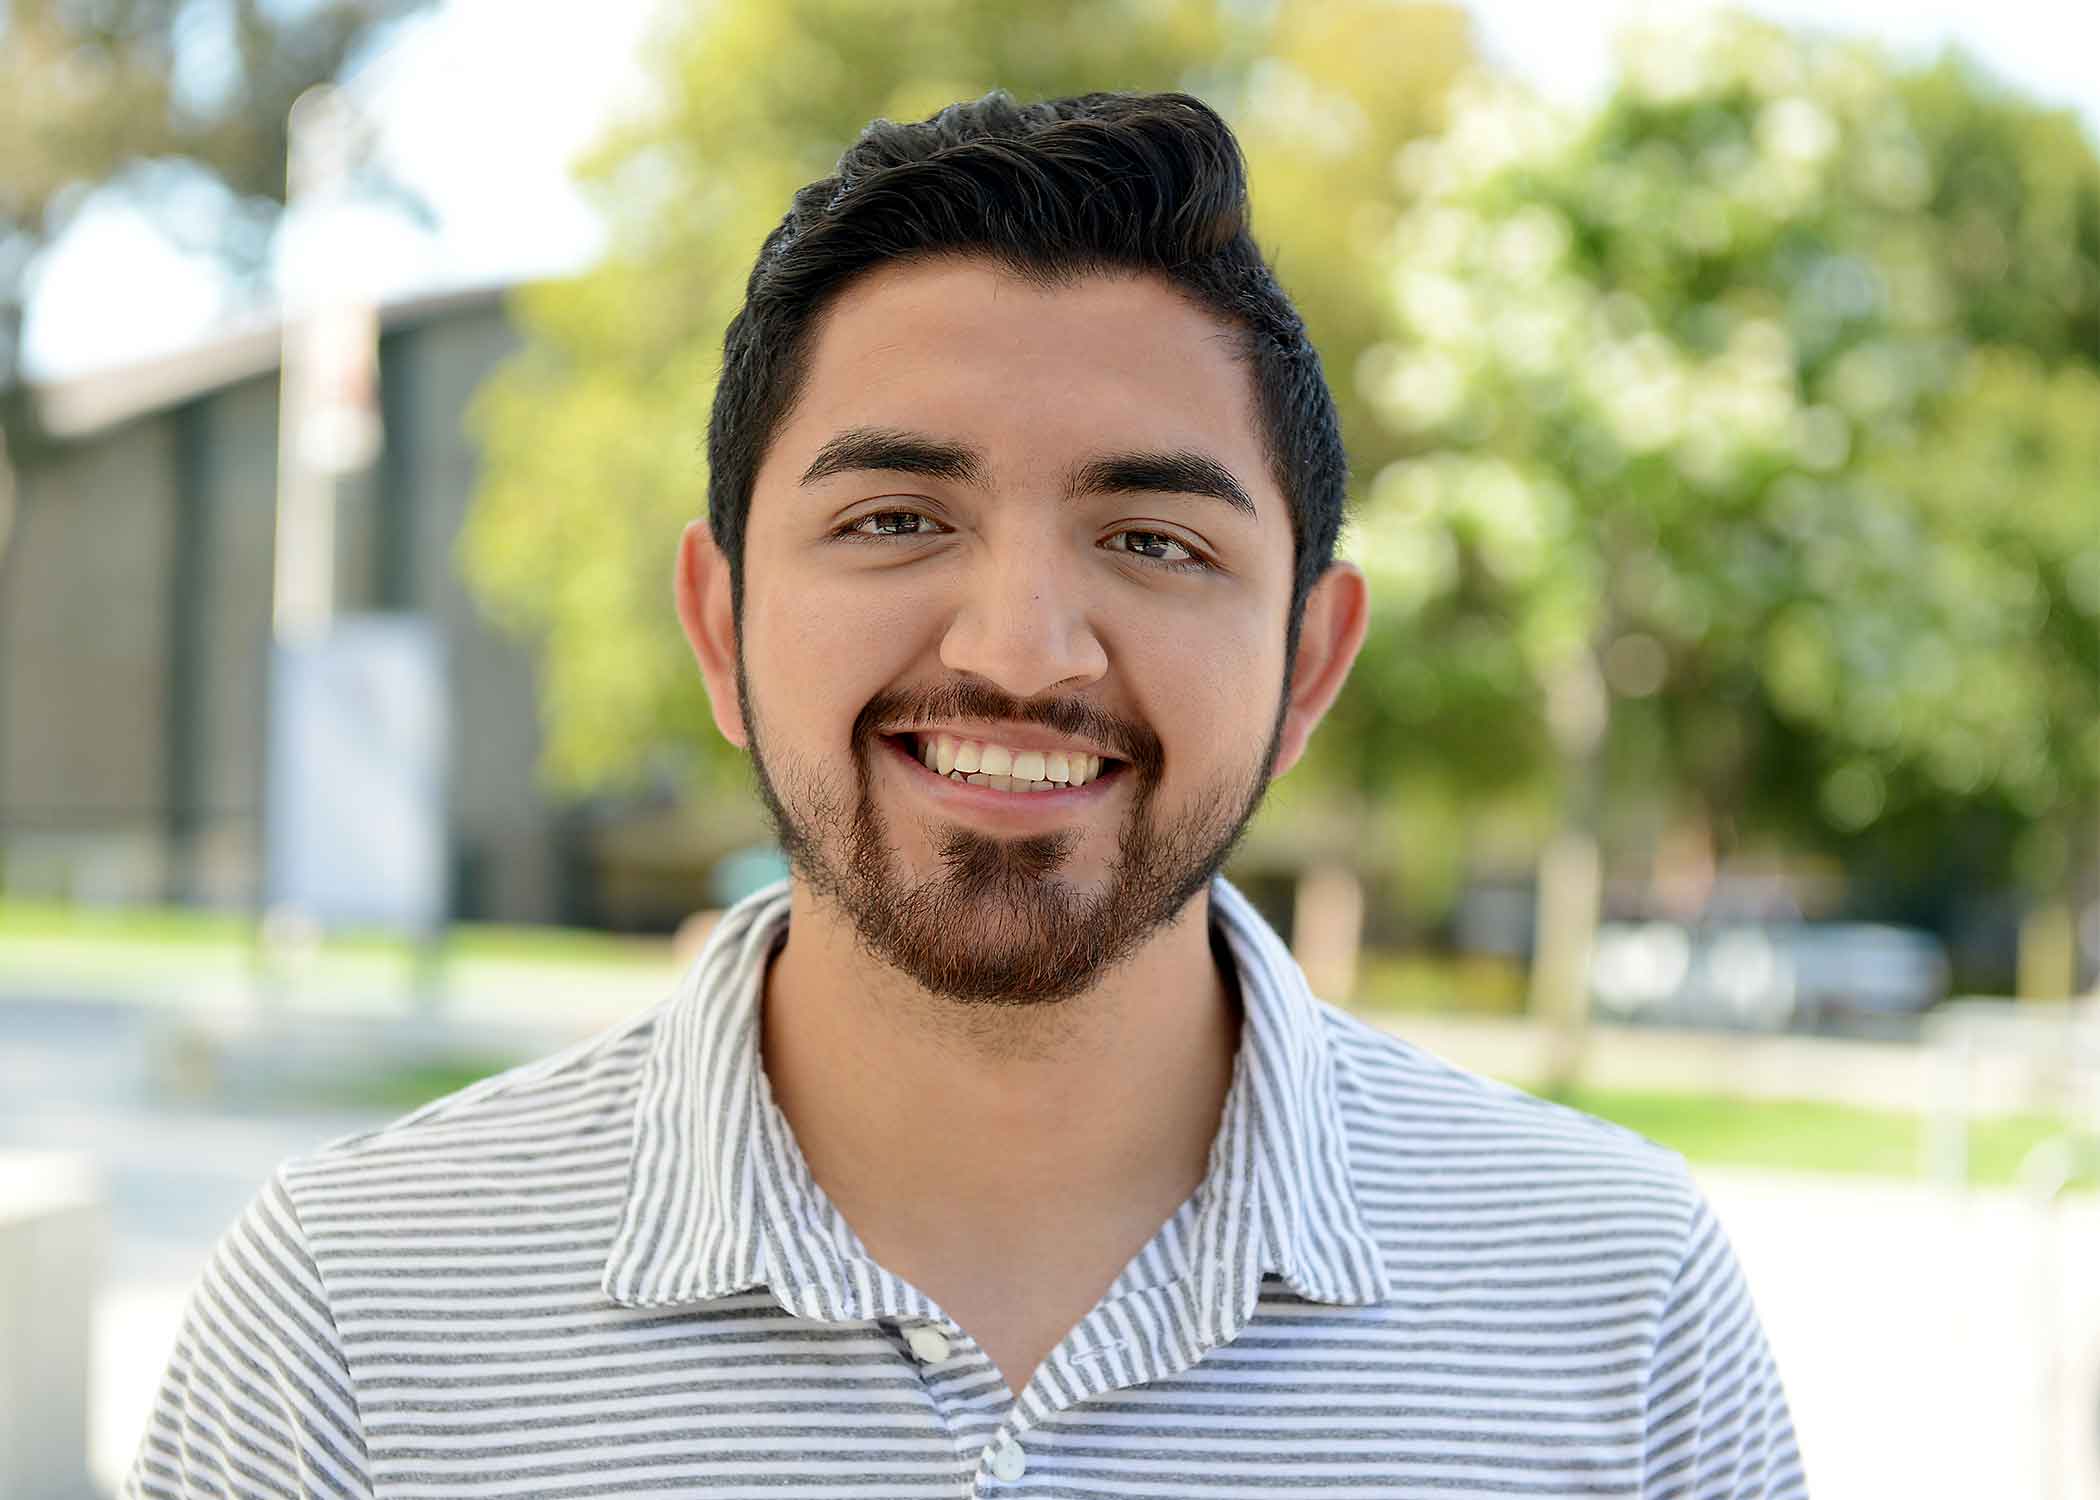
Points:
[[977, 700]]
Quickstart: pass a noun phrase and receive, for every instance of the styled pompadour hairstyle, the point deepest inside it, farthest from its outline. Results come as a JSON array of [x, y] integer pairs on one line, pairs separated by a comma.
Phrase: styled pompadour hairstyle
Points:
[[1052, 192]]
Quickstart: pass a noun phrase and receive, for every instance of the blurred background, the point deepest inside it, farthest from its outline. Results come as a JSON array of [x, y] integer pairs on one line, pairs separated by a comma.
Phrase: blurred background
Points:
[[1722, 389]]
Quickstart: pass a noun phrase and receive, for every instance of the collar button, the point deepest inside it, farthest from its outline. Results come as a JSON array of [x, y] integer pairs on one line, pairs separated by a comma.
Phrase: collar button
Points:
[[928, 1343]]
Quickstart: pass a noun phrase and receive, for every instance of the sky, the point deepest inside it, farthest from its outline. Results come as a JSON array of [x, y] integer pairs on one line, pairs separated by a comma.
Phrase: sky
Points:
[[481, 106]]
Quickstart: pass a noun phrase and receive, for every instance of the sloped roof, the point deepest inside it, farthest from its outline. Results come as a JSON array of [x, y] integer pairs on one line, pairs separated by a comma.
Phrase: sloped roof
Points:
[[82, 406]]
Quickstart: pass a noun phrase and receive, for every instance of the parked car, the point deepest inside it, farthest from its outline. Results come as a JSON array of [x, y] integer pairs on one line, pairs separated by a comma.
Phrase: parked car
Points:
[[1768, 976]]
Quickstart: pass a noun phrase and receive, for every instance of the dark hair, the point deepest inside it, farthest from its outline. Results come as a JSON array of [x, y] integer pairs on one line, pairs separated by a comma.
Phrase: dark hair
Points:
[[1102, 183]]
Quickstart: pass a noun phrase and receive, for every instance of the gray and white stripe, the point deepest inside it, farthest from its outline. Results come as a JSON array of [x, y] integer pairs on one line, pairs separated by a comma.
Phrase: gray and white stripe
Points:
[[611, 1273]]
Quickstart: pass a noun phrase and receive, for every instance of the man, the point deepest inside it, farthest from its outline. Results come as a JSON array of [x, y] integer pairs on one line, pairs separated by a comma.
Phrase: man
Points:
[[1000, 1148]]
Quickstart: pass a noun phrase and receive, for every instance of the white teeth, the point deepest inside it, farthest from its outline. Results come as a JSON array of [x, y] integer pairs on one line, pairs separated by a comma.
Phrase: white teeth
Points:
[[1024, 770]]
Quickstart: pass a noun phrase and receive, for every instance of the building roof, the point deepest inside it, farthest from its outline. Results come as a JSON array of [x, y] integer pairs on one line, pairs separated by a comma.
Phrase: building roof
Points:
[[83, 405]]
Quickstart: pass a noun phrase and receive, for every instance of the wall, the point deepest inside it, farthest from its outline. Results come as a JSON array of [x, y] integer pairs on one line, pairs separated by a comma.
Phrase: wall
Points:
[[83, 619], [135, 625]]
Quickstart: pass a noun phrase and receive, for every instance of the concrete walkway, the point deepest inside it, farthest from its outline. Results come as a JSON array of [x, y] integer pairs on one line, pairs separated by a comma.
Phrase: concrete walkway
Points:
[[73, 1079], [1915, 1331]]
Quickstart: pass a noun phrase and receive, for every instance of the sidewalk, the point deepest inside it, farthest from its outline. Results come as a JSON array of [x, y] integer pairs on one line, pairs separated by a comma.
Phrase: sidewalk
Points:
[[1913, 1328]]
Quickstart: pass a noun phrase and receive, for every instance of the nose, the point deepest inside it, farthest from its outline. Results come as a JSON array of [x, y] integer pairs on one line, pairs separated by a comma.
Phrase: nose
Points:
[[1022, 621]]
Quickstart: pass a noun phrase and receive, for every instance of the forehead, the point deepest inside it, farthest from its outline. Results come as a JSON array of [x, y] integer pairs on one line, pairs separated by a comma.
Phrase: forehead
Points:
[[964, 350]]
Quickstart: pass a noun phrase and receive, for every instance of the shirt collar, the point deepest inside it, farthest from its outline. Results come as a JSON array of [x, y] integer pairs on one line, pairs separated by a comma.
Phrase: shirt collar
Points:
[[719, 1199]]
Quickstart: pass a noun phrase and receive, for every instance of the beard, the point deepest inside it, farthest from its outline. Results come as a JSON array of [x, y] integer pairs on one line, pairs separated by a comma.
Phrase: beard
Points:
[[995, 926]]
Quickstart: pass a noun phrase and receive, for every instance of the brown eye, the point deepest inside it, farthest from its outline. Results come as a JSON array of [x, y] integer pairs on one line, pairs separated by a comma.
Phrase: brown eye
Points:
[[885, 526], [1144, 543]]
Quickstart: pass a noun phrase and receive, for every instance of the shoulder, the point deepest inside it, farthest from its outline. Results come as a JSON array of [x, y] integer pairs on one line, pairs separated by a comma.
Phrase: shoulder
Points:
[[1410, 1113], [258, 1382], [577, 1102]]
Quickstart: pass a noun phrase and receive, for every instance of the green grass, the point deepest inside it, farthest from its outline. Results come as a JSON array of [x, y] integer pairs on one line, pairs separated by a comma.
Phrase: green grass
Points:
[[1475, 984], [142, 928], [1806, 1135], [397, 1092], [147, 925]]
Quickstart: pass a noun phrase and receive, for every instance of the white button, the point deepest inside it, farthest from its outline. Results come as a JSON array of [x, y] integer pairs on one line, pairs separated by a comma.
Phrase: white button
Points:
[[928, 1342], [1009, 1462]]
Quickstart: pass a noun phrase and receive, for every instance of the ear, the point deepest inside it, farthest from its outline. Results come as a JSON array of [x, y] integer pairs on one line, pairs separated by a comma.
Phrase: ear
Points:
[[1337, 612], [705, 610]]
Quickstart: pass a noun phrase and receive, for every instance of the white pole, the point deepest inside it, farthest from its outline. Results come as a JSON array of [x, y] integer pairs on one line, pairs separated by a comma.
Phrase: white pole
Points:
[[317, 161]]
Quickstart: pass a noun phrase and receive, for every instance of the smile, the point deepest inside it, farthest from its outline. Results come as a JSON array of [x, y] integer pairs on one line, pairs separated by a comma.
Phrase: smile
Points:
[[1023, 797]]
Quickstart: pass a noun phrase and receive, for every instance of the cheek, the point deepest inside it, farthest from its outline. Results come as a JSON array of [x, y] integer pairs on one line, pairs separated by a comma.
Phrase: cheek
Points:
[[1213, 682], [835, 645], [812, 609]]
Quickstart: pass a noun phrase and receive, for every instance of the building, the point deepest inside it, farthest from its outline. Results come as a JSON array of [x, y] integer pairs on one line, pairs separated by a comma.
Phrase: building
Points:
[[135, 621]]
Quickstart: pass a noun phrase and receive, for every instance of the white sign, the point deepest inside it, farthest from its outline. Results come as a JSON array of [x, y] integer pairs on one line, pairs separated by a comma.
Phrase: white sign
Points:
[[355, 832]]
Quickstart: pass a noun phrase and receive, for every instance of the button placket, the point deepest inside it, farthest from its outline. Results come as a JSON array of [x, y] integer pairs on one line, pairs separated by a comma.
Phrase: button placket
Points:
[[952, 1372], [1007, 1459], [928, 1344]]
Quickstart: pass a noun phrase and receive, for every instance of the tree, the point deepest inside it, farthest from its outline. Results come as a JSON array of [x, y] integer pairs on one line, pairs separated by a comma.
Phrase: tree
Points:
[[1686, 365], [151, 96], [591, 432]]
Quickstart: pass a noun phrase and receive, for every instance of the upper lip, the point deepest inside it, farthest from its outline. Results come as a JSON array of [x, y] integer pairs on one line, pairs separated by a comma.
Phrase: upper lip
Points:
[[1015, 738]]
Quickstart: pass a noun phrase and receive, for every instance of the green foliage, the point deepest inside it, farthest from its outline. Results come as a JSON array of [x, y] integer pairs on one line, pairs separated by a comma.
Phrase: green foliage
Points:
[[90, 97], [87, 91], [1754, 404], [593, 434], [2015, 189], [1725, 418]]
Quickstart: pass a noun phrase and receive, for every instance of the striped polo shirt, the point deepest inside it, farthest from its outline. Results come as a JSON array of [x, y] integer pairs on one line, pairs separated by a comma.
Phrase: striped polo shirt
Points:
[[611, 1273]]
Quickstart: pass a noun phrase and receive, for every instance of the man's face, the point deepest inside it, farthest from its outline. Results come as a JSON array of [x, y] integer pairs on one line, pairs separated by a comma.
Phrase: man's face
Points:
[[967, 527]]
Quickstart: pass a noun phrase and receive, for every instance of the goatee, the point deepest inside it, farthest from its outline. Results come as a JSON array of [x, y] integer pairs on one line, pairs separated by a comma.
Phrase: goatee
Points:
[[996, 926]]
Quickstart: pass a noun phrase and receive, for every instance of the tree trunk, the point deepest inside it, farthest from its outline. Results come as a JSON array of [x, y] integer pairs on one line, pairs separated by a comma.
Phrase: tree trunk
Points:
[[2056, 936], [1570, 881], [2048, 953], [1682, 880], [1570, 884], [1327, 928], [2083, 893], [2089, 923]]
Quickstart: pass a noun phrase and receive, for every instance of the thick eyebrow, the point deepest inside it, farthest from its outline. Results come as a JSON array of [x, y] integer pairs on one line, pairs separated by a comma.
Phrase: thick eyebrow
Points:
[[1178, 473], [858, 449], [892, 450]]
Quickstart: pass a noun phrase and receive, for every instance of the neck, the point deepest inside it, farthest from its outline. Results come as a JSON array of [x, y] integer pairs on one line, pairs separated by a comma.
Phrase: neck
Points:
[[999, 1123]]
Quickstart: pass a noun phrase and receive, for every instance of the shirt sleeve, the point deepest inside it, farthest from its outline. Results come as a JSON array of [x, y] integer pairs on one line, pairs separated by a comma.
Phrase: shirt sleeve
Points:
[[1718, 1425], [257, 1400]]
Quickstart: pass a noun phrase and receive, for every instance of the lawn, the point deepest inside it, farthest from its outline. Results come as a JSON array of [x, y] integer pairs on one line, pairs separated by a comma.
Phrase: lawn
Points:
[[1807, 1135], [120, 935]]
